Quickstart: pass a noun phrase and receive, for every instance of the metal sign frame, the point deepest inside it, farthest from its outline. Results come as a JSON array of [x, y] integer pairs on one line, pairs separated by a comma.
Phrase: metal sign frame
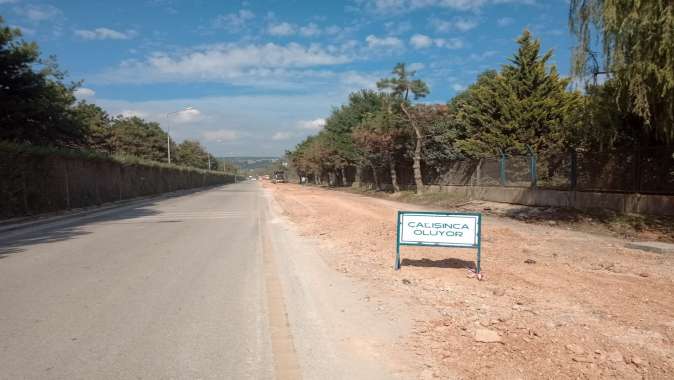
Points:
[[478, 242]]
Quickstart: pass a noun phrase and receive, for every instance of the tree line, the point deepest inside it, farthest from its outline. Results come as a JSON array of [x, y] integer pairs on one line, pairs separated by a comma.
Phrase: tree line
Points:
[[37, 108], [626, 102]]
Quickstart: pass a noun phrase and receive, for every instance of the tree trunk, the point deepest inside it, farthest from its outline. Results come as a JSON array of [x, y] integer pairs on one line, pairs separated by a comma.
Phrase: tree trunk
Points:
[[394, 175], [416, 165], [359, 175], [375, 177], [345, 181]]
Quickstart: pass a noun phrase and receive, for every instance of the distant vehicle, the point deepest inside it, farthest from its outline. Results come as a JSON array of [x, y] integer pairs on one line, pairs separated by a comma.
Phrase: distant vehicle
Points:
[[279, 177]]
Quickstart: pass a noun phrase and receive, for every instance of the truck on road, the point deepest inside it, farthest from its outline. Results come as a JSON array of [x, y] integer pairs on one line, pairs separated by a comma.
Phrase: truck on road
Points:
[[279, 177]]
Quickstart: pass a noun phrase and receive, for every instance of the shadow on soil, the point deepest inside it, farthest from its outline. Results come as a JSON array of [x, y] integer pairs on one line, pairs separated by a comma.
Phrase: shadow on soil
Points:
[[628, 226], [443, 263]]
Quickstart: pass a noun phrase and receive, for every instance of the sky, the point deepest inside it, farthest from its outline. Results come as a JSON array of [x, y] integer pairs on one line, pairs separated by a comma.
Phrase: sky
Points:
[[260, 76]]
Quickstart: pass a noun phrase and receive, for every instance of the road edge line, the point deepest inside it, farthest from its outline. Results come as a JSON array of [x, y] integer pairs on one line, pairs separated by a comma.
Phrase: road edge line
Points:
[[286, 363]]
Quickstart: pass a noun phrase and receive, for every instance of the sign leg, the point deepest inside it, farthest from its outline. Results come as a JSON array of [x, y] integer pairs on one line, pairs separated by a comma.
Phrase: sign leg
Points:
[[396, 265], [477, 267]]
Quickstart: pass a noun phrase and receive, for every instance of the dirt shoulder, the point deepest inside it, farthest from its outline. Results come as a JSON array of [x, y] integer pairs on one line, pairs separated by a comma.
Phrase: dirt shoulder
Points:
[[559, 303]]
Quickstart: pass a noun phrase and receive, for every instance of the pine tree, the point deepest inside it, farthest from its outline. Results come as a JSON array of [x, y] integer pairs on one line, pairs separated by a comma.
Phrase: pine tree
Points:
[[401, 85], [35, 105]]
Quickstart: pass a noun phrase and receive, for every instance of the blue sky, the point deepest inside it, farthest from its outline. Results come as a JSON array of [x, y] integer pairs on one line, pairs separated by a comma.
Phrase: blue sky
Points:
[[262, 75]]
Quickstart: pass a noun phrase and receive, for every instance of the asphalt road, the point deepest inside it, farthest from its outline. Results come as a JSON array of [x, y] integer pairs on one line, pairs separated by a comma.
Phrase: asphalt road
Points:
[[173, 288]]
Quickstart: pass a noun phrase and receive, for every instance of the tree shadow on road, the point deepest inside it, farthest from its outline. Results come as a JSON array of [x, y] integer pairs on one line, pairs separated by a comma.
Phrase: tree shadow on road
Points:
[[20, 240]]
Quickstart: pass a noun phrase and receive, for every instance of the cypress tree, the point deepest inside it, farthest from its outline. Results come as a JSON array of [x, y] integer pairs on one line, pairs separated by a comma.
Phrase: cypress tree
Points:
[[526, 103]]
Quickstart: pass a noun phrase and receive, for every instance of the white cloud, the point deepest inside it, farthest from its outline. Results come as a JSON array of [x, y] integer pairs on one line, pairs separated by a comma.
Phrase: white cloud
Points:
[[279, 136], [464, 24], [310, 30], [284, 29], [84, 92], [281, 29], [387, 7], [416, 66], [458, 87], [354, 80], [333, 29], [187, 116], [400, 6], [398, 28], [421, 41], [460, 24], [461, 5], [104, 34], [133, 113], [233, 22], [388, 42], [240, 124], [24, 31], [38, 13], [313, 125], [482, 56], [505, 21], [449, 43], [221, 135], [230, 63], [440, 26]]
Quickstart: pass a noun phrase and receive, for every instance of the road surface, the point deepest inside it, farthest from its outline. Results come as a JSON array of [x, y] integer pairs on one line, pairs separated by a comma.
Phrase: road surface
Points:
[[166, 289], [182, 288]]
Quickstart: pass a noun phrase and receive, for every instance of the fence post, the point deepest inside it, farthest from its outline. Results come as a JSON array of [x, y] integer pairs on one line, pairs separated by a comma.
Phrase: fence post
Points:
[[637, 170], [98, 192], [478, 179], [24, 192], [574, 169], [119, 183], [502, 169], [65, 170], [532, 167]]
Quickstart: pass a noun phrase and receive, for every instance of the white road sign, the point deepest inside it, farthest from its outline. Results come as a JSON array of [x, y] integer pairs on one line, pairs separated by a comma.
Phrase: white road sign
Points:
[[459, 230]]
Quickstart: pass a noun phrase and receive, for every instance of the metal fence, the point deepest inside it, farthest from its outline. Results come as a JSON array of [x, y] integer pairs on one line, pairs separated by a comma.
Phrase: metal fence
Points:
[[34, 183], [646, 171]]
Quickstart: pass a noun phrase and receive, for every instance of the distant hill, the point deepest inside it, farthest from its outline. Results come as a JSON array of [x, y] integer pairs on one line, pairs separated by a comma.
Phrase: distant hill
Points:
[[246, 163]]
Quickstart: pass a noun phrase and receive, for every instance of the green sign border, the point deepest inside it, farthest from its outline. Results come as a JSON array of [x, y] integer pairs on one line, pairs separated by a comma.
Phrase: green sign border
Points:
[[396, 265]]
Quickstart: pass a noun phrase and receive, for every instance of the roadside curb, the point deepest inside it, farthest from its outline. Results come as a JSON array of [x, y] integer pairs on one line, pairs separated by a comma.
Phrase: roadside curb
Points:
[[32, 221]]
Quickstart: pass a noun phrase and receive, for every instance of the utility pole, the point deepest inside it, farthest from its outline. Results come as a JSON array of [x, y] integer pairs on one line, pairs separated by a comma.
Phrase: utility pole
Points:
[[168, 131], [168, 138]]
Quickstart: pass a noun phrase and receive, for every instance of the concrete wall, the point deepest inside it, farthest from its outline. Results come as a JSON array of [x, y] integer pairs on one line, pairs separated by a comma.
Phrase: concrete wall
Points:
[[582, 200]]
